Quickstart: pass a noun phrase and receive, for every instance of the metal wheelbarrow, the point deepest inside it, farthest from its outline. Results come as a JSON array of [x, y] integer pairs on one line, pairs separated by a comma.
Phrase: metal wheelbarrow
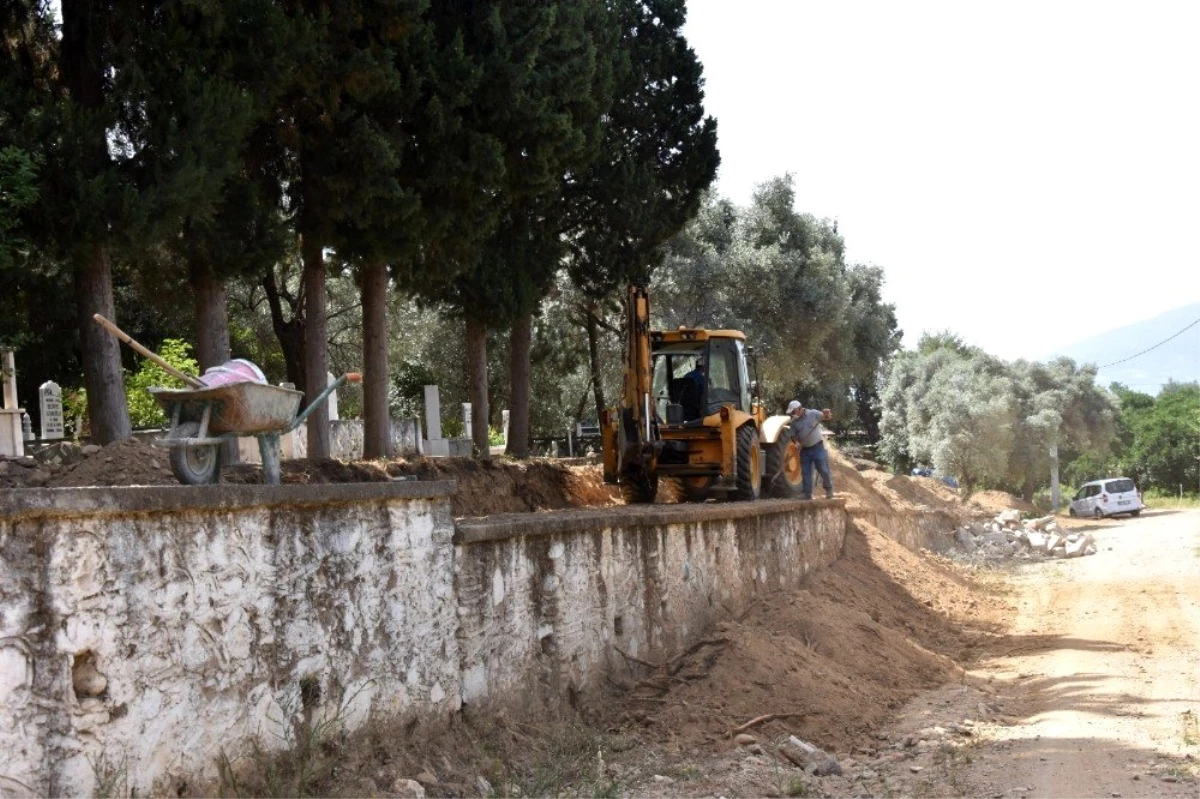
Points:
[[204, 417]]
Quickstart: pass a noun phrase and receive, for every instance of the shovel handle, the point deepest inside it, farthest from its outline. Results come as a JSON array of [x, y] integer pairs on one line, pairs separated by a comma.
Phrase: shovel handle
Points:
[[168, 368]]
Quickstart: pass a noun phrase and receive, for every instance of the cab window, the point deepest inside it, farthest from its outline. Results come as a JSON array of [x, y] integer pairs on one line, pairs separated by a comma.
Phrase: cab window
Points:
[[726, 375]]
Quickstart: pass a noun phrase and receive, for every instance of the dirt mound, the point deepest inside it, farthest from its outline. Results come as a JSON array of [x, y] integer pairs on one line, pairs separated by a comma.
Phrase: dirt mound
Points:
[[925, 491], [484, 487], [309, 470], [875, 491], [833, 661], [129, 462], [996, 501], [499, 486]]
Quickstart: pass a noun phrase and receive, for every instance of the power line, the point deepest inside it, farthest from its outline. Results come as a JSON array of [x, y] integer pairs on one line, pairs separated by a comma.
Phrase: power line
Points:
[[1156, 346]]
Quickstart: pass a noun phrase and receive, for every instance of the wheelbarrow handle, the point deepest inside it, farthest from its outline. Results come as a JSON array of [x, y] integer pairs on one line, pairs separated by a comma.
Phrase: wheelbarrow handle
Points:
[[349, 377], [168, 368]]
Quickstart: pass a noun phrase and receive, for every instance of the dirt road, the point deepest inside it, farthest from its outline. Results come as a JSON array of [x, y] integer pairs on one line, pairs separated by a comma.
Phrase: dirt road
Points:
[[1103, 671]]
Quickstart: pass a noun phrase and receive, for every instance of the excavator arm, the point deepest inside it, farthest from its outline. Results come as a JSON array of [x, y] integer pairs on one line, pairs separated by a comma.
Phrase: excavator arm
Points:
[[630, 431]]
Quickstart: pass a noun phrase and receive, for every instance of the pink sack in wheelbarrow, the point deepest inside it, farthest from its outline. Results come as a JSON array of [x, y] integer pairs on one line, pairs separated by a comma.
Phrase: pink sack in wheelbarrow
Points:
[[239, 370]]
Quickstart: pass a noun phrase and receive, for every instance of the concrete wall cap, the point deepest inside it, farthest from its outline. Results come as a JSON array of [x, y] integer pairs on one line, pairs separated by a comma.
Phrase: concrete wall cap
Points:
[[42, 502], [575, 520]]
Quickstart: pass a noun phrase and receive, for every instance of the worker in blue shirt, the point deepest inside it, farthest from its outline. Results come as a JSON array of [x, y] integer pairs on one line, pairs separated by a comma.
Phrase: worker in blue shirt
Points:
[[808, 433]]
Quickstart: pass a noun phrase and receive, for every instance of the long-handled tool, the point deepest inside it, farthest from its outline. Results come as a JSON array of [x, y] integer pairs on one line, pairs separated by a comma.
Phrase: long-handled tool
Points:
[[194, 382]]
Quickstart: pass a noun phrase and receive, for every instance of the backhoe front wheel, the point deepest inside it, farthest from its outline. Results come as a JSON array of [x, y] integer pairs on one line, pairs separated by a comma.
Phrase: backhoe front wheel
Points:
[[784, 477], [638, 487], [749, 464]]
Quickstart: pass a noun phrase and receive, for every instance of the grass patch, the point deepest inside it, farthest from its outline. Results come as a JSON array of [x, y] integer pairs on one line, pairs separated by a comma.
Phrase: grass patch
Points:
[[1157, 499], [1189, 724]]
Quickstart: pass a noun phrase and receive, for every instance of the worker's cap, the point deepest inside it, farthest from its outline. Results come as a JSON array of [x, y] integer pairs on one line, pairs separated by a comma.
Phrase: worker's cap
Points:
[[793, 406]]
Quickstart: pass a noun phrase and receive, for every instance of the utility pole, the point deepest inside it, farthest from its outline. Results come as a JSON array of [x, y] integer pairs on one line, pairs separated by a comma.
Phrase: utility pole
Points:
[[1054, 498]]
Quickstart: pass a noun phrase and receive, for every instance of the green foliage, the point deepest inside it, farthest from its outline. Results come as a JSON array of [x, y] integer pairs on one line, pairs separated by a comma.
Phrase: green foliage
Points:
[[1160, 440], [988, 422], [18, 190], [75, 411], [406, 395], [543, 95], [658, 156], [820, 326], [495, 436], [144, 410], [1161, 498]]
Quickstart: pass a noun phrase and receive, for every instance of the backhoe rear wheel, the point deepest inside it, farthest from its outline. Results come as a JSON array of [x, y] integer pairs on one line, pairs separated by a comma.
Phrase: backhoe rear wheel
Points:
[[749, 463], [785, 479], [638, 487]]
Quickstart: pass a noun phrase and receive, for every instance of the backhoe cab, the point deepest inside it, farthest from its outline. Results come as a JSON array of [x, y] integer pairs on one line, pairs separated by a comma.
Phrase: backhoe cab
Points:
[[690, 411]]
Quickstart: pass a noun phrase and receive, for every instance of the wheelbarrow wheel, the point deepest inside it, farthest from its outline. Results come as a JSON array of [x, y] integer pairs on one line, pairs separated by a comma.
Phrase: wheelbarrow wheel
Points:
[[196, 465]]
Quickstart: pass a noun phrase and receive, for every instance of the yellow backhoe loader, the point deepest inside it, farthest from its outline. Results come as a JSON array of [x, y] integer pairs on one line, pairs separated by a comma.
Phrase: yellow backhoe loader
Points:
[[690, 411]]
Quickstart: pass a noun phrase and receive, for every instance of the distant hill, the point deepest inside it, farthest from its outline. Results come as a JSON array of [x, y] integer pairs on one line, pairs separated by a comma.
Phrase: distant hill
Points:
[[1178, 359]]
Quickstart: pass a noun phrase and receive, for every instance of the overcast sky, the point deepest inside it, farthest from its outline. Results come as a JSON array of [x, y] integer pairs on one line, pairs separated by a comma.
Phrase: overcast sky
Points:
[[1027, 174]]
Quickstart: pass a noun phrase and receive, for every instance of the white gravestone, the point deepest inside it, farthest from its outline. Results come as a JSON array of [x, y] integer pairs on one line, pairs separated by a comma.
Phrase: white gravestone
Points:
[[435, 445], [433, 413], [12, 436], [333, 409], [9, 367], [466, 420], [50, 402]]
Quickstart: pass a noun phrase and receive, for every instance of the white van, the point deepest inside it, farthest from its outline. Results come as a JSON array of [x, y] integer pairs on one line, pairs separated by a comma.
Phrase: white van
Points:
[[1108, 497]]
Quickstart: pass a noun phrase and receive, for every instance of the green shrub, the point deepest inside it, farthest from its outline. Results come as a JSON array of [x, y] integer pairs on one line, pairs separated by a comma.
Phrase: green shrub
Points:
[[144, 410]]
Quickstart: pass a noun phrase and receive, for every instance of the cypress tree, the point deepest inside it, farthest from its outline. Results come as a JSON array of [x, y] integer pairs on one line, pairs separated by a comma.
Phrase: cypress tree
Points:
[[137, 125], [340, 128], [540, 95], [658, 156]]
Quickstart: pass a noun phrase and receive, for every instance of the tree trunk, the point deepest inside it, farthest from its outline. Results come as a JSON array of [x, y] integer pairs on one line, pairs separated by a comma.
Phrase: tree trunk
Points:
[[522, 366], [83, 73], [211, 319], [868, 415], [316, 367], [290, 332], [477, 387], [593, 335], [108, 411], [377, 422]]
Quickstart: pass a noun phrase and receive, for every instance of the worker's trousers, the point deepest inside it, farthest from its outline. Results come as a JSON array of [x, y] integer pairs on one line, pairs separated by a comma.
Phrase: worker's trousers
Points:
[[810, 457]]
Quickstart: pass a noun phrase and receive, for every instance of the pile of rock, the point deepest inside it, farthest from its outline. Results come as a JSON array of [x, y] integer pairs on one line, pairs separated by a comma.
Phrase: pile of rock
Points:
[[1010, 536]]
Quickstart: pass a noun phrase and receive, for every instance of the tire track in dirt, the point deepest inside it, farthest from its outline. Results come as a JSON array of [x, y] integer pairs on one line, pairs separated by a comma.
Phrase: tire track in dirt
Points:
[[1104, 670]]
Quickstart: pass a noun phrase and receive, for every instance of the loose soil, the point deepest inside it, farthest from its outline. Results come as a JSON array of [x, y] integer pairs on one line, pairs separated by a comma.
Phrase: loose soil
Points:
[[122, 463], [833, 660], [993, 502], [483, 488]]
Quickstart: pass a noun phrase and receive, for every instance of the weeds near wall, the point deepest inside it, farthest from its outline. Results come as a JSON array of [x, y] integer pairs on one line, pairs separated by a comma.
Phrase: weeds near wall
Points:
[[309, 754], [566, 760], [112, 779]]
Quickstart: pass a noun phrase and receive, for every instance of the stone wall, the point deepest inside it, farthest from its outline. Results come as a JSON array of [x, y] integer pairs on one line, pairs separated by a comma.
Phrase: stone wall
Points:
[[146, 630], [555, 595]]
